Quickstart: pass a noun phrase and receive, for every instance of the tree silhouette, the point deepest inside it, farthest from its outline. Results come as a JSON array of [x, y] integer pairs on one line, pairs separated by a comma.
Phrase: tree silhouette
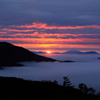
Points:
[[91, 91], [86, 90], [55, 82], [98, 94], [66, 82], [83, 88]]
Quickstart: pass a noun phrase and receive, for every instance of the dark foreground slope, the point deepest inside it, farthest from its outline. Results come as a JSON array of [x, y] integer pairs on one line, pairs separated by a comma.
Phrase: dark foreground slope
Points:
[[10, 54], [19, 89]]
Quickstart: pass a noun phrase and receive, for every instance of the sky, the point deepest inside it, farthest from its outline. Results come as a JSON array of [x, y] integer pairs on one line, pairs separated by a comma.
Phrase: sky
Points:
[[55, 25]]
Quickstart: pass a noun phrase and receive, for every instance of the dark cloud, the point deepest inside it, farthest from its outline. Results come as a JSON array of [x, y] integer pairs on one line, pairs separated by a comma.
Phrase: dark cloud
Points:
[[53, 13], [61, 12]]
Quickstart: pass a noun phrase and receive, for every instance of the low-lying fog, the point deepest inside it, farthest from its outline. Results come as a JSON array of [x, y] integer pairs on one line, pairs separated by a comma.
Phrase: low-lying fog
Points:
[[85, 69]]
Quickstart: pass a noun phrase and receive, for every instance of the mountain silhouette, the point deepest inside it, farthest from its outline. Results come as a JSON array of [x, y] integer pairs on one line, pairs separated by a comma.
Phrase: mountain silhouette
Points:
[[10, 54], [91, 52], [73, 52], [79, 52]]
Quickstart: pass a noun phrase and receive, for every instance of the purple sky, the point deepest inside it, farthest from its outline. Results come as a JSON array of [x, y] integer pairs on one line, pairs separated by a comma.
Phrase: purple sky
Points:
[[57, 25]]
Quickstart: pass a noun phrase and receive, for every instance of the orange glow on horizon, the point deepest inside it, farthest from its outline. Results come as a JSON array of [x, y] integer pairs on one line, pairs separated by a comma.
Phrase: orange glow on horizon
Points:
[[36, 36], [53, 40], [48, 52], [56, 47]]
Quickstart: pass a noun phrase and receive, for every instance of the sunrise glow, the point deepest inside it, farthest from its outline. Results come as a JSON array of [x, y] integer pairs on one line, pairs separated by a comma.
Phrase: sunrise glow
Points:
[[54, 41], [48, 52], [48, 30]]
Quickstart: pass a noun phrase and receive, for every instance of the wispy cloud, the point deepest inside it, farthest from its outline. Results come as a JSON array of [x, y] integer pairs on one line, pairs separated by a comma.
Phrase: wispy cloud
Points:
[[36, 34], [45, 26], [56, 41], [16, 30], [50, 35], [2, 32], [51, 24]]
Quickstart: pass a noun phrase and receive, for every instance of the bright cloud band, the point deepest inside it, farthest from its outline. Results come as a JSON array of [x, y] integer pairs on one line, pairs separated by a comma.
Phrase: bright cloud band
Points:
[[35, 34], [45, 26]]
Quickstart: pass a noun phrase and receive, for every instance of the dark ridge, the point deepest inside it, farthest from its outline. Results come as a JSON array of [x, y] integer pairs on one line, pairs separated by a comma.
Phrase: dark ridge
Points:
[[10, 55], [19, 54], [18, 89]]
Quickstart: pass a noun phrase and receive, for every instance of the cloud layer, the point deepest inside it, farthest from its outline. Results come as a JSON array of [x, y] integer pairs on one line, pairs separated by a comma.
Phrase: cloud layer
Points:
[[57, 24]]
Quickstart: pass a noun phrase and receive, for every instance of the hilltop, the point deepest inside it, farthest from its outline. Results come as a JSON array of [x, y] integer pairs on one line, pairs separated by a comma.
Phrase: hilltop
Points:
[[18, 89], [11, 54]]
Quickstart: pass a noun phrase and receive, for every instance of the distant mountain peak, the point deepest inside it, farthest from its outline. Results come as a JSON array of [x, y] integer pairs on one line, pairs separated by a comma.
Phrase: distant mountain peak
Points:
[[92, 52], [73, 52], [76, 52]]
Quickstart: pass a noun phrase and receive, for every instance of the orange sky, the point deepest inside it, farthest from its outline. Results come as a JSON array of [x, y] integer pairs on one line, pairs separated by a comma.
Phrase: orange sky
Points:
[[51, 24], [36, 37]]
